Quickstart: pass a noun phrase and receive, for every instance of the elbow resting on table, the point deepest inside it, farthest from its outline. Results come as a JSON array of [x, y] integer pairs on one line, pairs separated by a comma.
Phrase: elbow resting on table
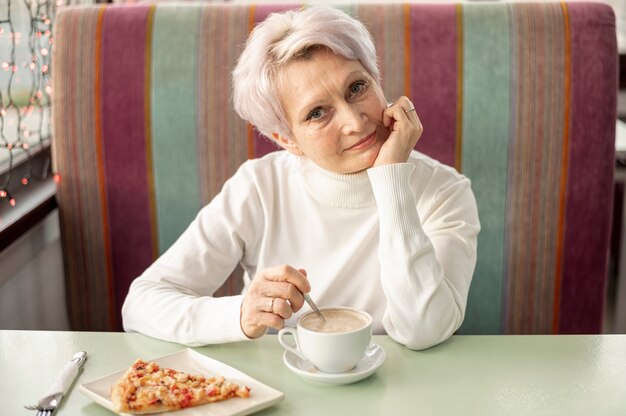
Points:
[[422, 337]]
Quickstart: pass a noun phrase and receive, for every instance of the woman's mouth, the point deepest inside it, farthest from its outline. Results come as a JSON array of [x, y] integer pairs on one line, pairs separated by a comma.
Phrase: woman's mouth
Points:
[[364, 142]]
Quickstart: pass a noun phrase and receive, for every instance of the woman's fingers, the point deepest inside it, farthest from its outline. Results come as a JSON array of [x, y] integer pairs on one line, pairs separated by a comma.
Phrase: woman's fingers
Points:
[[273, 296], [270, 320], [286, 292], [387, 117], [288, 284], [282, 308], [288, 274], [400, 110], [405, 128]]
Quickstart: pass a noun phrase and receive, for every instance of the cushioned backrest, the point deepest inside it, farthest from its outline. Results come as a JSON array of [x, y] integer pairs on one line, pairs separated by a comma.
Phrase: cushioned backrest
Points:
[[518, 97]]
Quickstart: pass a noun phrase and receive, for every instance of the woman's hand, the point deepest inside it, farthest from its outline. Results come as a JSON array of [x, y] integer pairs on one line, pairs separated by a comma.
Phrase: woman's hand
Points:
[[405, 130], [273, 296]]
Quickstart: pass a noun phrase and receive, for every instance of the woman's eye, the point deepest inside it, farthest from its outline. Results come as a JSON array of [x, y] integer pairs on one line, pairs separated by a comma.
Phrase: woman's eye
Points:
[[358, 87], [315, 114]]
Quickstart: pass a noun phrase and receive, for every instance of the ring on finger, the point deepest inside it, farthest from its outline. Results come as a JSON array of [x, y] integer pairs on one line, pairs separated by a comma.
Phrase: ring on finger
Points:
[[272, 304], [409, 110]]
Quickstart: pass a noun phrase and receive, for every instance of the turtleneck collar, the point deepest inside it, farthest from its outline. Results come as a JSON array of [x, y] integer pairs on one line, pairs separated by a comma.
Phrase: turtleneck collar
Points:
[[335, 189]]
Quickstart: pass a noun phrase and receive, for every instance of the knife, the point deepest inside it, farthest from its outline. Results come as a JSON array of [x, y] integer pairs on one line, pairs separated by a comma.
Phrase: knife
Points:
[[52, 398]]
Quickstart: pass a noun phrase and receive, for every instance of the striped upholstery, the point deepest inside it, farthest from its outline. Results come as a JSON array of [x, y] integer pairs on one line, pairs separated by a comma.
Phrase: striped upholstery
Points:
[[519, 97]]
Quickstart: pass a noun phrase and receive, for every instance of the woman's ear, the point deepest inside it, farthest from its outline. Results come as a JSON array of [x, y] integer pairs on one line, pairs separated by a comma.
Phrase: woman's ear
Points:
[[287, 144]]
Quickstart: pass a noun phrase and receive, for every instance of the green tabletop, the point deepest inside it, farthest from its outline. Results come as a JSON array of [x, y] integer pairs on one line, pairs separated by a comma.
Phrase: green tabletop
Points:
[[466, 375]]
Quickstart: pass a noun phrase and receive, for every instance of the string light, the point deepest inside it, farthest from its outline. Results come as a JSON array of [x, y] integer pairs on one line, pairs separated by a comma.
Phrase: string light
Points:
[[25, 118], [6, 195]]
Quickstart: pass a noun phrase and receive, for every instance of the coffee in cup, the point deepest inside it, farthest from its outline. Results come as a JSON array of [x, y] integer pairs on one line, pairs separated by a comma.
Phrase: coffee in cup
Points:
[[337, 320], [334, 346]]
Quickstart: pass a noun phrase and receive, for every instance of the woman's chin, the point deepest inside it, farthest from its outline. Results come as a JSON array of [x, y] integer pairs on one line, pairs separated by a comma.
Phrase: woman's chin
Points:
[[366, 160]]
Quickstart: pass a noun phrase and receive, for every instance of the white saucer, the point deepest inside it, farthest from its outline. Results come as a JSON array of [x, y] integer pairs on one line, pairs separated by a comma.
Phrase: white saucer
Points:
[[374, 357]]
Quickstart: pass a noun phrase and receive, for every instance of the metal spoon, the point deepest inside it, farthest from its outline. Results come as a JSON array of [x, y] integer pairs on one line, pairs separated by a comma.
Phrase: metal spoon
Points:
[[312, 305]]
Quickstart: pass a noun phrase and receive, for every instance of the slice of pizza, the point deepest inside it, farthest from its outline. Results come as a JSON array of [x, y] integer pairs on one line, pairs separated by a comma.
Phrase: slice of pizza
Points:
[[148, 388]]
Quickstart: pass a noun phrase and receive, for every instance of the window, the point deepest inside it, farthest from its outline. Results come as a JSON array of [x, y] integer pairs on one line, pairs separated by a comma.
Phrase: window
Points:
[[25, 128], [26, 40]]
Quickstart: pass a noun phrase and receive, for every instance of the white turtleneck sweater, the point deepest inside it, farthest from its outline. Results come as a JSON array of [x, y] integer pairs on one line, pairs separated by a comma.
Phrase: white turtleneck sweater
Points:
[[398, 241]]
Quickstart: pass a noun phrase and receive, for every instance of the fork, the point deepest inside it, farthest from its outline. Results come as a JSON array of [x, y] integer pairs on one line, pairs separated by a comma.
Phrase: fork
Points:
[[47, 410], [49, 403], [44, 411], [40, 412]]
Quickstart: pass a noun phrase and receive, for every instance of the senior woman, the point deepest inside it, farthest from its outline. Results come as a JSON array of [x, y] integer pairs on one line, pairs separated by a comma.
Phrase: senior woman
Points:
[[348, 212]]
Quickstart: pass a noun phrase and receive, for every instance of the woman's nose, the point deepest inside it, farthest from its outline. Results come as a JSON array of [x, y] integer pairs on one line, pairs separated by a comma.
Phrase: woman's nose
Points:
[[353, 119]]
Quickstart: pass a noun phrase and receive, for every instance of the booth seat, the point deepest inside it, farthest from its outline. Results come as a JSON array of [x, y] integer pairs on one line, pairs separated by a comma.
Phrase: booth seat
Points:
[[520, 98]]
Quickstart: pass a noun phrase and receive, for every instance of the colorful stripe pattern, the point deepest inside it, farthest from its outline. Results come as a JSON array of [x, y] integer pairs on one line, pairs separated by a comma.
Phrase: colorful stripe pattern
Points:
[[519, 97]]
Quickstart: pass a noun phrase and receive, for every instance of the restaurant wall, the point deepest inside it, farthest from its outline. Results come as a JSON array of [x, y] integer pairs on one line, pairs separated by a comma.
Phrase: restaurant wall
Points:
[[32, 288]]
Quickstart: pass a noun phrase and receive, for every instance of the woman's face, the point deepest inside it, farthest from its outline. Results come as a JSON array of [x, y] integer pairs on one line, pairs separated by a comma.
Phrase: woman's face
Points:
[[334, 112]]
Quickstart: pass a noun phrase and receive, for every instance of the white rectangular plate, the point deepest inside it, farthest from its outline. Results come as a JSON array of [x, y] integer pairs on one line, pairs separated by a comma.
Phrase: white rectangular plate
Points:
[[189, 361]]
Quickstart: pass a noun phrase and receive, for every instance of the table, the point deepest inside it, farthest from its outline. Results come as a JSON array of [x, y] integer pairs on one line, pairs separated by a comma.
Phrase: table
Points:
[[466, 375]]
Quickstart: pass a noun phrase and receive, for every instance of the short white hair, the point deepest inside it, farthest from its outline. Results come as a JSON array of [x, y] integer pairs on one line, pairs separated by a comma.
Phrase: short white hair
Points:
[[282, 38]]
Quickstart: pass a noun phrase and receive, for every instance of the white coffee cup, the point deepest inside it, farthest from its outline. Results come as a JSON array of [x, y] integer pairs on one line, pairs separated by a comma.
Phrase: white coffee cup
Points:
[[340, 348]]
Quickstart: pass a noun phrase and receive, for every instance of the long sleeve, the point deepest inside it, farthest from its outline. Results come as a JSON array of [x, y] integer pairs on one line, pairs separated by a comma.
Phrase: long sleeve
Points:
[[427, 252], [407, 230], [172, 299]]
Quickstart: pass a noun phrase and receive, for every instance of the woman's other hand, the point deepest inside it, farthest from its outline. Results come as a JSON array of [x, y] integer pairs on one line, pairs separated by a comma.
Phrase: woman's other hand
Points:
[[405, 130], [273, 296]]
